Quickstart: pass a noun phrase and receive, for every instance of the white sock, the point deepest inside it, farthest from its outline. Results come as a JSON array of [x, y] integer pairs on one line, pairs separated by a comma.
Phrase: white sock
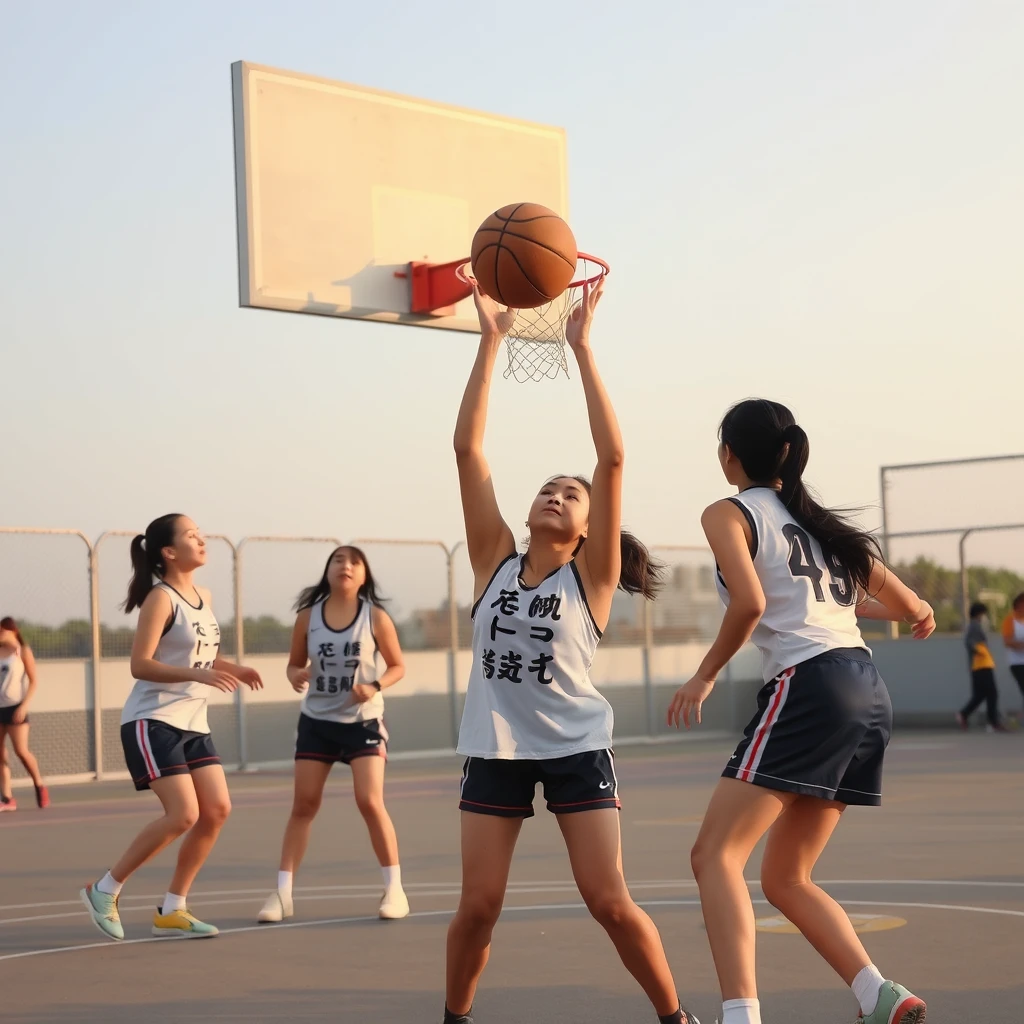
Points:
[[284, 882], [866, 987], [109, 884], [172, 901], [741, 1011], [392, 876]]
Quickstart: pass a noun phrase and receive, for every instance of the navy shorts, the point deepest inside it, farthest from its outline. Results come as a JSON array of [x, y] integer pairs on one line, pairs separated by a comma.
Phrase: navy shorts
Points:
[[821, 729], [579, 782], [7, 715], [340, 741], [154, 749]]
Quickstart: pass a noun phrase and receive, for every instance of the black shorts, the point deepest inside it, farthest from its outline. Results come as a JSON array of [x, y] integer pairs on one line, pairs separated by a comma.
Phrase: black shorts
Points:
[[340, 741], [154, 750], [821, 729], [579, 782], [7, 715]]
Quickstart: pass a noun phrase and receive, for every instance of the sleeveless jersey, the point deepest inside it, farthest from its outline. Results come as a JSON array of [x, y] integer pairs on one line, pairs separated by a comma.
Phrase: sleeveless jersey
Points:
[[810, 599], [13, 680], [530, 696], [191, 641], [340, 659]]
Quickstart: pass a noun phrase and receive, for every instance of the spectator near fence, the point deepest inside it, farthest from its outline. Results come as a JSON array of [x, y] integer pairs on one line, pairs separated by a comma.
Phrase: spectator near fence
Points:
[[983, 671]]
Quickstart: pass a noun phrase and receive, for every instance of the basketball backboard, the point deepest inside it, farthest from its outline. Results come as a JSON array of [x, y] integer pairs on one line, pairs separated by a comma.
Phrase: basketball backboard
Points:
[[339, 188]]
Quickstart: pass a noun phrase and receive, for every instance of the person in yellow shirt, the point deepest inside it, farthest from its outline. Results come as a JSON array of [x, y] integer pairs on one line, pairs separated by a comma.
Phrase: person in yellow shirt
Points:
[[983, 672]]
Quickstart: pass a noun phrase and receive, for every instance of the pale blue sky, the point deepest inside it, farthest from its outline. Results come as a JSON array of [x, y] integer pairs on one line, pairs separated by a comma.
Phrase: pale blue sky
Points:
[[820, 203]]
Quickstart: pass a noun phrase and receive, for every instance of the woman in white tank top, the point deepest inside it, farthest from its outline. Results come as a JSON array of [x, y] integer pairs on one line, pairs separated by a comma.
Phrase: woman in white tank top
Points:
[[17, 685], [340, 635], [176, 662], [795, 577], [532, 714]]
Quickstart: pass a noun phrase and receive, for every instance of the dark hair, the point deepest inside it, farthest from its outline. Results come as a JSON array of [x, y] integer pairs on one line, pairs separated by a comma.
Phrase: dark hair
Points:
[[322, 590], [978, 608], [9, 624], [640, 573], [148, 558], [765, 437], [1018, 600]]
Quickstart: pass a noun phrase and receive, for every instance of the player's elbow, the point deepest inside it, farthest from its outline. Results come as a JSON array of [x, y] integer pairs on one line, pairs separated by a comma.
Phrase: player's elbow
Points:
[[748, 608], [613, 458]]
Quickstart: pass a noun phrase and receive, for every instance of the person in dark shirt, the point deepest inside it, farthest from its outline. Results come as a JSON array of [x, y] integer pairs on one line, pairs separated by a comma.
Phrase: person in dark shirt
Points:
[[983, 671]]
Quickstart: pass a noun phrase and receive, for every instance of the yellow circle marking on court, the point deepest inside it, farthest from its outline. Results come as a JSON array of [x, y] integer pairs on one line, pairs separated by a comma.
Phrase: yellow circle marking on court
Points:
[[861, 923]]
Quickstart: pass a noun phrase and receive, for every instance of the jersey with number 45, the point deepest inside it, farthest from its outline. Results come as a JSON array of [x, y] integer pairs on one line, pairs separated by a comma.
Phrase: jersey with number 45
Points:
[[810, 598]]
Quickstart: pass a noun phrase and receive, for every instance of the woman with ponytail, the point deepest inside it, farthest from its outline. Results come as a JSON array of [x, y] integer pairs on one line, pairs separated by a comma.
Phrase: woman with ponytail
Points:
[[166, 738], [532, 715], [18, 679], [794, 576]]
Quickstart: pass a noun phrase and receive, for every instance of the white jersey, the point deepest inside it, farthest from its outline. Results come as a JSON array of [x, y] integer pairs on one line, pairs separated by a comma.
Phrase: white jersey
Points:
[[340, 659], [810, 600], [13, 680], [530, 694], [191, 641]]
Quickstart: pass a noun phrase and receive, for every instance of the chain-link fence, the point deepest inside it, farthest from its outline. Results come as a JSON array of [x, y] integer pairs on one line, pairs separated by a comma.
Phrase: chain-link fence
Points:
[[69, 594]]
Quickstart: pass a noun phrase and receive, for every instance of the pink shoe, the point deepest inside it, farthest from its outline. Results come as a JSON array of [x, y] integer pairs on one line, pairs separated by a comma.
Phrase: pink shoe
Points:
[[8, 805], [42, 797]]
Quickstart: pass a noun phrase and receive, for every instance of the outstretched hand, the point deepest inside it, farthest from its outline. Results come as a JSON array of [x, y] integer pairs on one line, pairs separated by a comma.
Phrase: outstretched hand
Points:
[[577, 326], [492, 319]]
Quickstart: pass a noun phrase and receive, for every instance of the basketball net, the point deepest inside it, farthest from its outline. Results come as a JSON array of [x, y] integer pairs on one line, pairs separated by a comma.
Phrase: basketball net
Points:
[[536, 341]]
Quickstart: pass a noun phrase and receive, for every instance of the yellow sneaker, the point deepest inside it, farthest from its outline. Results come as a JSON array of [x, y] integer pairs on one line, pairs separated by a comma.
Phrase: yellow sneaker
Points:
[[180, 924]]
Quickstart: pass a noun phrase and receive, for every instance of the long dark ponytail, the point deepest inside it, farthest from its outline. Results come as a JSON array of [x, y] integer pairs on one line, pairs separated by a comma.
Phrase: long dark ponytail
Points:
[[640, 573], [148, 558], [758, 432], [369, 591]]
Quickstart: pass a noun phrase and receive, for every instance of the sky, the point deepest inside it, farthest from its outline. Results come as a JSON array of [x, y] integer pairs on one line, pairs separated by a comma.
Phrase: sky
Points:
[[816, 203]]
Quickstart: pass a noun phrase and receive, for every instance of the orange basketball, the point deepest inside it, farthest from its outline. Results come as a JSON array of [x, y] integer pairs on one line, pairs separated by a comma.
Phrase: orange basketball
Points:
[[524, 255]]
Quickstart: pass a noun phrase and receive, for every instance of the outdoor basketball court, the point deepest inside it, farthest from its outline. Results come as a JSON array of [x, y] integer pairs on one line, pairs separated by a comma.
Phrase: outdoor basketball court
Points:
[[935, 875]]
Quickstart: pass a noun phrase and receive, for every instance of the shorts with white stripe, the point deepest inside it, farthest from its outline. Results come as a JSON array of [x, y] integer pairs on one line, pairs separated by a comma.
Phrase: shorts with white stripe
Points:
[[154, 749], [821, 729]]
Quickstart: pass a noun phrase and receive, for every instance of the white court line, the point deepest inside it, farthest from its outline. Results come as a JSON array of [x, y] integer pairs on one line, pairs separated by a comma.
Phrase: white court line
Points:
[[505, 910], [201, 897]]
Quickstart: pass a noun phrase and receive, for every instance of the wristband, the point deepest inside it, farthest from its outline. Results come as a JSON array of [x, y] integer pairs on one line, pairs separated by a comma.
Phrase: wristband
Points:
[[376, 685]]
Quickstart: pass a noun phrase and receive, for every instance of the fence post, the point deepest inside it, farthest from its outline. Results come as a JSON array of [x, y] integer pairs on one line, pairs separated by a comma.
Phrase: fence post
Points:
[[883, 485], [646, 670], [96, 653], [965, 585], [240, 720]]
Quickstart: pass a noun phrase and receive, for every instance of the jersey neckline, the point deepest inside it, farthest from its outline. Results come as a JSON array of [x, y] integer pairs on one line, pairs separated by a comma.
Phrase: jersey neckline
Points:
[[195, 607], [330, 628]]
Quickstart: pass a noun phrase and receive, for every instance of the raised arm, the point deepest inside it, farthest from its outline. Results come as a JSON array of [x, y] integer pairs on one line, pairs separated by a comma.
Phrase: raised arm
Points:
[[488, 537], [601, 557]]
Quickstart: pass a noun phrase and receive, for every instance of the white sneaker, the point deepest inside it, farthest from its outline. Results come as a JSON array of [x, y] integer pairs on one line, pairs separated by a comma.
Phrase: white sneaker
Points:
[[278, 906], [394, 906]]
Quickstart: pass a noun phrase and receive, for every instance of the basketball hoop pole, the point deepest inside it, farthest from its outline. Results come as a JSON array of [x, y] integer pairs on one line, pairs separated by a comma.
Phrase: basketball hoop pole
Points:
[[434, 288]]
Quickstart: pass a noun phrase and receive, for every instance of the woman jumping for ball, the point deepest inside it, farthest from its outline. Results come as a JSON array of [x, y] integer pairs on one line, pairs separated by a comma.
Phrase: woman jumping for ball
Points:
[[340, 630], [794, 576], [532, 714], [164, 731], [17, 686]]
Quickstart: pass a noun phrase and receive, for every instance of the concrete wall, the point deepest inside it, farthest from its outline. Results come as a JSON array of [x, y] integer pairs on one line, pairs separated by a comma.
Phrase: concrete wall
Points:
[[927, 681]]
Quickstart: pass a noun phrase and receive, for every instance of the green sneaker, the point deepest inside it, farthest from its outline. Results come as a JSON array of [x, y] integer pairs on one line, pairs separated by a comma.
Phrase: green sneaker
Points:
[[896, 1006], [102, 909], [180, 924]]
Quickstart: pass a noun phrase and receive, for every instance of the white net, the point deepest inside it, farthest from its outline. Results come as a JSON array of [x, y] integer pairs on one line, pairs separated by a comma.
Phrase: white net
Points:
[[536, 342]]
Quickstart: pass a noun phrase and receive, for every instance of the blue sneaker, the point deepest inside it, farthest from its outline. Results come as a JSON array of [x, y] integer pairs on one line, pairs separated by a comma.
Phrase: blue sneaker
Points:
[[102, 909]]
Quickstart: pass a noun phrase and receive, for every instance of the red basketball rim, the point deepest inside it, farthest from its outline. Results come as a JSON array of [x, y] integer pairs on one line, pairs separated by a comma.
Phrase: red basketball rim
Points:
[[464, 275]]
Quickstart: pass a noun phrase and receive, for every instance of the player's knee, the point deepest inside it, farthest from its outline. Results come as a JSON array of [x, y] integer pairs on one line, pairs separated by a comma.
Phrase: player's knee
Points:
[[215, 813], [609, 909], [480, 910], [778, 885], [181, 819], [306, 807], [700, 856], [370, 805]]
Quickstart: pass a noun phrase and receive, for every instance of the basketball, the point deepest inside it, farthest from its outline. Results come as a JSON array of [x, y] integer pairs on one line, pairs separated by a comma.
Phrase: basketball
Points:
[[524, 255]]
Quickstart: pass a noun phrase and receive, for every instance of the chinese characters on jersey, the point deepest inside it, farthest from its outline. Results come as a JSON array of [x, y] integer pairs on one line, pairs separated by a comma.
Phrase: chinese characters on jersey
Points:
[[207, 646], [508, 665], [337, 667]]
